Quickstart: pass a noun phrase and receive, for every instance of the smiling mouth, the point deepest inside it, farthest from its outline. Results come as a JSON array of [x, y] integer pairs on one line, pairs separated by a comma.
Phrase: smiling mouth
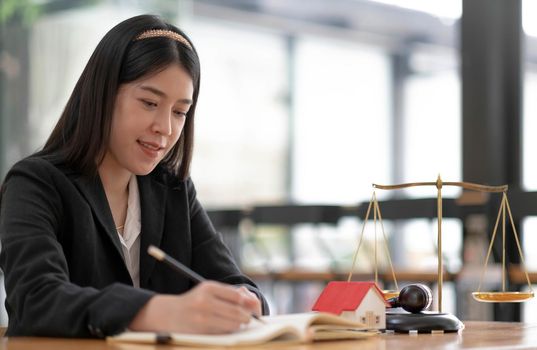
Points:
[[151, 146]]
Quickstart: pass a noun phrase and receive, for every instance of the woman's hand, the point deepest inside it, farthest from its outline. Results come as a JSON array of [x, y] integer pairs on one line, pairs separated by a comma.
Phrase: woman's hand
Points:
[[209, 308], [251, 301]]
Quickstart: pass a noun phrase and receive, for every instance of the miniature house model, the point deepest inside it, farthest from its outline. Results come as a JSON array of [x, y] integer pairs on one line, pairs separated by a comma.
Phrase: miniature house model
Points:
[[359, 301]]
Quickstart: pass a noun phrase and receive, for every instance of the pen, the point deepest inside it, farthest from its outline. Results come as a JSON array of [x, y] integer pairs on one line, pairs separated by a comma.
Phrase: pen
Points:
[[179, 267]]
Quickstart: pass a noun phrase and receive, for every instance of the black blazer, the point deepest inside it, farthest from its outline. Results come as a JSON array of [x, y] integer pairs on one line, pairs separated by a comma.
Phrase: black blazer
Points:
[[61, 255]]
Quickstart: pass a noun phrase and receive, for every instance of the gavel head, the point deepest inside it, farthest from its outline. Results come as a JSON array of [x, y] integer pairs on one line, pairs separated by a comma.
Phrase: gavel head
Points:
[[413, 298]]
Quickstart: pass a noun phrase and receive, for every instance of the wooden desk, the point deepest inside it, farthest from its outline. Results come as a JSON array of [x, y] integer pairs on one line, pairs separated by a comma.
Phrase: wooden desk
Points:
[[496, 335]]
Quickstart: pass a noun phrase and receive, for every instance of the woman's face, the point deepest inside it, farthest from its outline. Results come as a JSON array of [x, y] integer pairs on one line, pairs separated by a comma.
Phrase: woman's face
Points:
[[149, 116]]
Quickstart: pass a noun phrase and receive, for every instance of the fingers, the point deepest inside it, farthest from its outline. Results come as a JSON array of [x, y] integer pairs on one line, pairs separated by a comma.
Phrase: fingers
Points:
[[224, 302], [225, 292], [251, 301], [238, 296], [231, 311]]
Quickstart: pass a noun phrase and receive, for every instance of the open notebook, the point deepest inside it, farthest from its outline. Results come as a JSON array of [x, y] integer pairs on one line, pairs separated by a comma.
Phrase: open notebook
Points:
[[304, 327]]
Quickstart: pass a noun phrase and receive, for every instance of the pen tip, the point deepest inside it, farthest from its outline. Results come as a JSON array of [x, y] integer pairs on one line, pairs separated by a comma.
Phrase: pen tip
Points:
[[155, 252]]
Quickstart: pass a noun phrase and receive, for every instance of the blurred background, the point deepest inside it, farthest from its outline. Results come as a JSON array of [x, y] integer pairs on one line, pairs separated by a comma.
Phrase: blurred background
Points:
[[303, 105]]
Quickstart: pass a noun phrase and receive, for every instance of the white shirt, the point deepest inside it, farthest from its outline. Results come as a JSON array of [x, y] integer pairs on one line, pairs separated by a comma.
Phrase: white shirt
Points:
[[130, 240]]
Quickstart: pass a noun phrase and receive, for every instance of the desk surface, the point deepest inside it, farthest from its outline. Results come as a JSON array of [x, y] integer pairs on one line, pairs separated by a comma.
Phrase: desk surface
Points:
[[496, 335]]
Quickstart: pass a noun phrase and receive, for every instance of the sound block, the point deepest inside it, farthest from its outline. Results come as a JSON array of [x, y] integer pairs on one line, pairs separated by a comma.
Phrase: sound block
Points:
[[422, 322]]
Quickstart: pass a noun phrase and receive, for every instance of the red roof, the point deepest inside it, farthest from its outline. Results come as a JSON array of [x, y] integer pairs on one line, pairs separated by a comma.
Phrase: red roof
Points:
[[341, 296]]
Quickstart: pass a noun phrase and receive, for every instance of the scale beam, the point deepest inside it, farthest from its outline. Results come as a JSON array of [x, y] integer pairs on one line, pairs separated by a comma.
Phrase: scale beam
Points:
[[465, 185]]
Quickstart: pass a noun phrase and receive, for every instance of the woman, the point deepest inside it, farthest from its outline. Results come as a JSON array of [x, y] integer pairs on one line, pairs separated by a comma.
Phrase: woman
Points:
[[77, 218]]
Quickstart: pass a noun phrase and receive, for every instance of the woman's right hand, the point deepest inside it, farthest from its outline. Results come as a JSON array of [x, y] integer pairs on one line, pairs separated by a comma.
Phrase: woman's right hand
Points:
[[209, 308]]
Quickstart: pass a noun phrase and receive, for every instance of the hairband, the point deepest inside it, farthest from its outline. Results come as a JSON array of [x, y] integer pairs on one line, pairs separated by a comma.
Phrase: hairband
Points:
[[163, 33]]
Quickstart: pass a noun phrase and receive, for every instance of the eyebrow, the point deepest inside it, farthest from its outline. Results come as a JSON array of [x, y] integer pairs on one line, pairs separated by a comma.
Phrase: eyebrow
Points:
[[163, 94]]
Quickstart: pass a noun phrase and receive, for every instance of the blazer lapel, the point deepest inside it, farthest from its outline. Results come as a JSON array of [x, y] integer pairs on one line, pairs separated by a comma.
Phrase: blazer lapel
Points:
[[93, 191], [152, 205]]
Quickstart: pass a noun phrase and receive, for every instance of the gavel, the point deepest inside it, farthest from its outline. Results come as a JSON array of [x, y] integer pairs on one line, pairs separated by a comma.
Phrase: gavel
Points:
[[413, 298]]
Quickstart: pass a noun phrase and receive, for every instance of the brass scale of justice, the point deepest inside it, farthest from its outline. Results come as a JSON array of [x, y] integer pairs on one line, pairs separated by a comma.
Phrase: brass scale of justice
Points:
[[498, 297]]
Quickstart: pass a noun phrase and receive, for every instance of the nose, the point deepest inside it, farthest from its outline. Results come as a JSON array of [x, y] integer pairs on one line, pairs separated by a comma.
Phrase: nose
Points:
[[162, 123]]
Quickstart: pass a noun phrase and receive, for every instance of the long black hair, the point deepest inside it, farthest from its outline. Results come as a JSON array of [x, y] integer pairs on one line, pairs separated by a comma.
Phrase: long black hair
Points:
[[82, 133]]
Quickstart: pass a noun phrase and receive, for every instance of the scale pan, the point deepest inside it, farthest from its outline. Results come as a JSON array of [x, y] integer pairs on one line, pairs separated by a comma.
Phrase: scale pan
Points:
[[388, 294], [502, 297]]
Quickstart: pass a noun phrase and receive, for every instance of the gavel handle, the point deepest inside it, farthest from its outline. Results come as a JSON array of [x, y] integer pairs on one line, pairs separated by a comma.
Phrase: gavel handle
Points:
[[394, 302]]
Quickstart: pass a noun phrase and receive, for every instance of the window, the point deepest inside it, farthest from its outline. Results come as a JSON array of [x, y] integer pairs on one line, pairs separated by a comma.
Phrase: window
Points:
[[421, 244], [432, 122], [529, 121], [241, 121], [342, 129]]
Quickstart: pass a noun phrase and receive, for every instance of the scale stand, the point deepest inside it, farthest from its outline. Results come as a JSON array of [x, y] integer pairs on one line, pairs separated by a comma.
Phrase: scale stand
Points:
[[400, 321], [407, 313]]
